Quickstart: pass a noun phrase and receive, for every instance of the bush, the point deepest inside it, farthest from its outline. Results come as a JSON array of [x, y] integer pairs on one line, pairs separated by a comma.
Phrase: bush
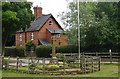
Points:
[[14, 51], [46, 51], [59, 55], [28, 46], [52, 67], [20, 51], [60, 64], [43, 51], [10, 51], [67, 49]]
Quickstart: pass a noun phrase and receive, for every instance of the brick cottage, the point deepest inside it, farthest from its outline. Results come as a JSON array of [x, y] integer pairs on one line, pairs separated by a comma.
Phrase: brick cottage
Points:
[[42, 31]]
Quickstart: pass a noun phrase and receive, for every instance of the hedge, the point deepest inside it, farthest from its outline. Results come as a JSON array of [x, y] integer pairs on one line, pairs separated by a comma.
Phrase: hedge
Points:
[[14, 51], [67, 49], [43, 51]]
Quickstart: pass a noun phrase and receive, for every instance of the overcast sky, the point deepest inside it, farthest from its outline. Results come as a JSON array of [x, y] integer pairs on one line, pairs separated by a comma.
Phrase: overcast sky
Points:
[[51, 6]]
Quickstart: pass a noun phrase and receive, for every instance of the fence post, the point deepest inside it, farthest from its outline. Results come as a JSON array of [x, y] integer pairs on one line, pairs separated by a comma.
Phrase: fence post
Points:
[[43, 61], [99, 59], [92, 64], [8, 62], [85, 65], [96, 54], [110, 57], [64, 65], [17, 63], [2, 61]]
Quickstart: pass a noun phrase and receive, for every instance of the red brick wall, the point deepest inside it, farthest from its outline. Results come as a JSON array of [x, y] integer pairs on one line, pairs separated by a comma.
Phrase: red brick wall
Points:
[[18, 42], [64, 40], [43, 31], [49, 36], [37, 12], [61, 40], [28, 37]]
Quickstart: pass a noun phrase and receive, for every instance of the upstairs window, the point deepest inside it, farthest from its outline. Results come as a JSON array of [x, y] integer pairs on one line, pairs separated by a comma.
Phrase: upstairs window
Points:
[[50, 22], [32, 36], [20, 37]]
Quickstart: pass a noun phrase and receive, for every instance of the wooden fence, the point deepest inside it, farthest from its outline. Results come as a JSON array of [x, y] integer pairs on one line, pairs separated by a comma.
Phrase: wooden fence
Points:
[[105, 56], [70, 65]]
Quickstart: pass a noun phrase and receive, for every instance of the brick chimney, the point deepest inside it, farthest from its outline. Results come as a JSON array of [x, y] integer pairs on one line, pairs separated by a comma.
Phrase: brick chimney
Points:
[[37, 12]]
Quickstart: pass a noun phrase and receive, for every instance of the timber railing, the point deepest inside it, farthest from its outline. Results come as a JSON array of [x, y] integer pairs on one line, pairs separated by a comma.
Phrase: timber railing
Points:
[[69, 65], [108, 57]]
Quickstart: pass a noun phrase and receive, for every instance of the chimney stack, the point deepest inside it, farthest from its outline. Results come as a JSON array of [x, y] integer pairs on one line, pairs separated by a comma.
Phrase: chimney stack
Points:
[[37, 12]]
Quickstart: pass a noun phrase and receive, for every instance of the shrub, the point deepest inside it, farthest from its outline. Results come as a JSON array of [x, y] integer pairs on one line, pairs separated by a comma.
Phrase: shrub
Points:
[[52, 67], [59, 55], [20, 51], [14, 51], [46, 51], [10, 51], [60, 64], [43, 51], [28, 46], [67, 49]]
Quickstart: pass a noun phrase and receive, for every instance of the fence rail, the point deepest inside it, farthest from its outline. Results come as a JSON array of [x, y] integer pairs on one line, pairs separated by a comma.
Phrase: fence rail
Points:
[[105, 56], [87, 64]]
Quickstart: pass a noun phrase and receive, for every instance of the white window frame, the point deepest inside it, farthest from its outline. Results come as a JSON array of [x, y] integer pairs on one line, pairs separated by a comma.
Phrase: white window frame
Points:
[[20, 37], [50, 23], [32, 36]]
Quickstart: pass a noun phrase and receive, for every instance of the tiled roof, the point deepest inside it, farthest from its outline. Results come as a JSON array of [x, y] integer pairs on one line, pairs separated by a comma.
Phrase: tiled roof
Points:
[[54, 30], [44, 41], [38, 23]]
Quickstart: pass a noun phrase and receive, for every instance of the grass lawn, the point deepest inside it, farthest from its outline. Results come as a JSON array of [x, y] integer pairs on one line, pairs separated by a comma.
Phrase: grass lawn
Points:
[[107, 70], [0, 74]]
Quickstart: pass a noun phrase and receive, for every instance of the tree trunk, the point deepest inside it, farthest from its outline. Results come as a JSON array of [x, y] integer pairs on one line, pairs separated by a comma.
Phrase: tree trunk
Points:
[[4, 39]]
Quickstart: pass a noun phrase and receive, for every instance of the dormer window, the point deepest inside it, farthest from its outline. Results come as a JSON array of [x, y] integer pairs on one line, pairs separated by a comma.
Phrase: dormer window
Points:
[[32, 36], [20, 37], [50, 22]]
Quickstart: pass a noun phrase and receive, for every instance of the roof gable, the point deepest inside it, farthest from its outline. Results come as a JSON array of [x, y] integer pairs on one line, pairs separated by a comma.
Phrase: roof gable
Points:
[[38, 23], [54, 30]]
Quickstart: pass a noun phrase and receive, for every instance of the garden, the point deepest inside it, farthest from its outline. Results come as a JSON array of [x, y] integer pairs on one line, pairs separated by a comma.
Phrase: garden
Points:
[[107, 70]]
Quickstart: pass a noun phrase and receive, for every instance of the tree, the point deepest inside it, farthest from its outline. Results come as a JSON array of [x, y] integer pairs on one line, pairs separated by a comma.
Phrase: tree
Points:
[[15, 15], [98, 25]]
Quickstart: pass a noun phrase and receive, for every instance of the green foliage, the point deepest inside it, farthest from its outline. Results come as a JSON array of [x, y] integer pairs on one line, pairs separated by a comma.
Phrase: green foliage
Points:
[[23, 68], [52, 67], [28, 46], [99, 25], [20, 51], [15, 15], [43, 51], [59, 55], [60, 63], [67, 49], [14, 51], [46, 51]]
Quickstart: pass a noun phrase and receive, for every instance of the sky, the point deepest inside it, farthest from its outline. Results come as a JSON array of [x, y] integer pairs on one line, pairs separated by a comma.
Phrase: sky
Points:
[[52, 6]]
